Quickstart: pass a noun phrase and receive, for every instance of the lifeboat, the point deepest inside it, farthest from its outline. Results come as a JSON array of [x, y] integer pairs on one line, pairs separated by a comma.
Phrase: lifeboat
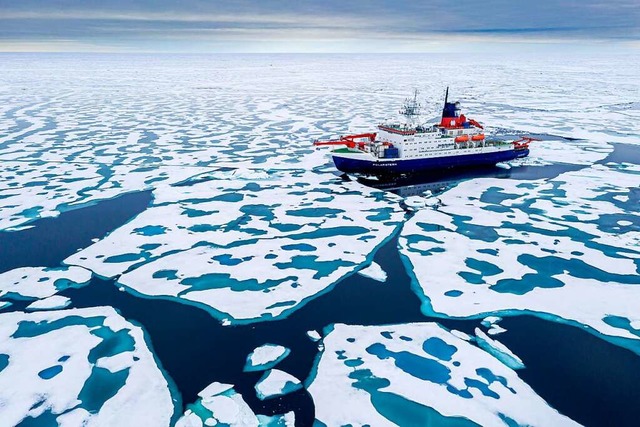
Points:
[[462, 138], [478, 137]]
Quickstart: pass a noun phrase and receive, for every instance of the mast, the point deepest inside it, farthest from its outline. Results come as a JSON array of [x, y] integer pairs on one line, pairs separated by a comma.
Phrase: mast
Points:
[[411, 109]]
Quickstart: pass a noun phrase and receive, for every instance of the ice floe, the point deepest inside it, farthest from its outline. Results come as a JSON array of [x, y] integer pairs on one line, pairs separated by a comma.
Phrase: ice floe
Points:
[[553, 247], [550, 151], [419, 374], [284, 420], [50, 303], [41, 282], [265, 357], [247, 250], [496, 329], [375, 272], [78, 141], [491, 322], [314, 335], [276, 383], [67, 383], [498, 350], [219, 404]]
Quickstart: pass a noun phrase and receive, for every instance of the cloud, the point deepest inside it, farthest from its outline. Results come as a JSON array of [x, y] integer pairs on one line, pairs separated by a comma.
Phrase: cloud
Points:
[[135, 24]]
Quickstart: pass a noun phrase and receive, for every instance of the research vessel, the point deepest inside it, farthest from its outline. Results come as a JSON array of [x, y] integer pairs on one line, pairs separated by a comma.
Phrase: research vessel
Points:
[[410, 148]]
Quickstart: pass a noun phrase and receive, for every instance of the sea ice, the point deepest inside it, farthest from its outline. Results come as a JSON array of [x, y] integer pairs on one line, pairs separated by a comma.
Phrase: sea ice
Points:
[[375, 272], [284, 420], [50, 303], [77, 141], [266, 357], [218, 405], [247, 250], [41, 282], [419, 374], [276, 383], [214, 389], [66, 383], [498, 350], [550, 151], [551, 247], [314, 335], [490, 321], [496, 329]]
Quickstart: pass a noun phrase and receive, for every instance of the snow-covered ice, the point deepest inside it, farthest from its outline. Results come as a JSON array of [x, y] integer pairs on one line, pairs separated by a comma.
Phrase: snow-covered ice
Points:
[[68, 382], [490, 321], [219, 404], [41, 282], [73, 132], [265, 357], [247, 250], [314, 335], [276, 383], [50, 303], [551, 247], [419, 374], [284, 420], [375, 272], [496, 329]]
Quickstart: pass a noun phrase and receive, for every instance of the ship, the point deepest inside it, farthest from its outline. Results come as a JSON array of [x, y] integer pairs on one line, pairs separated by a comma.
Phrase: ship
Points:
[[409, 148]]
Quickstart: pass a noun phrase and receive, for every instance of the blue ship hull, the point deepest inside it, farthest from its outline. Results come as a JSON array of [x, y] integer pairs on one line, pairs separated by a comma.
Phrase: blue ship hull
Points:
[[413, 166]]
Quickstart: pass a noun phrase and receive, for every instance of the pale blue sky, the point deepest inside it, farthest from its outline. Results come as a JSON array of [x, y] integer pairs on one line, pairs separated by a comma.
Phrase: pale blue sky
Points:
[[318, 26]]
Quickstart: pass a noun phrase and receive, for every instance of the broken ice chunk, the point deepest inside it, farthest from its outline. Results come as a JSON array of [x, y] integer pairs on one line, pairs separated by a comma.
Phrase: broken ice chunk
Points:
[[375, 272], [218, 405], [265, 357], [55, 302], [314, 335], [276, 383]]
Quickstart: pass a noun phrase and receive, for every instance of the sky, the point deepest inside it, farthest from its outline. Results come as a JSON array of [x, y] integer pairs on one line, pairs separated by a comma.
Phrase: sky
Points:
[[318, 26]]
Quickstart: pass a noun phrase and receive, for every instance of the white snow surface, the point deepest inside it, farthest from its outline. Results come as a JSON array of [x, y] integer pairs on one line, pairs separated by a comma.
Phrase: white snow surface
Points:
[[545, 246], [276, 383], [70, 338], [220, 404], [41, 282], [214, 389], [314, 335], [370, 371], [225, 406], [284, 420], [50, 303], [101, 128], [248, 250], [375, 272], [266, 356]]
